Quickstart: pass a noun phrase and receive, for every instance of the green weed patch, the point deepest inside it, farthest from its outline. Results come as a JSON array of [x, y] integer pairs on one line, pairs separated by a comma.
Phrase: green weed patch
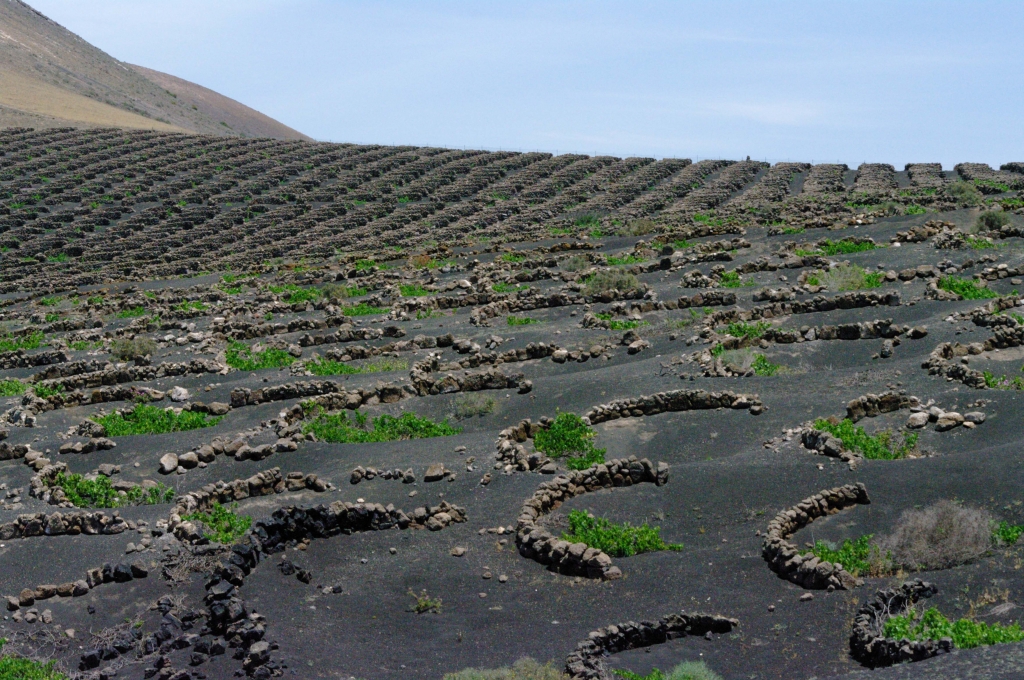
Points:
[[222, 524], [100, 493], [882, 446], [966, 633], [617, 540], [240, 356], [338, 428], [146, 419], [569, 437]]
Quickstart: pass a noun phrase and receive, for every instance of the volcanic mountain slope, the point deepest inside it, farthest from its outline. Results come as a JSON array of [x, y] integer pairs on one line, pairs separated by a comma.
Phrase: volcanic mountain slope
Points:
[[50, 77], [280, 408]]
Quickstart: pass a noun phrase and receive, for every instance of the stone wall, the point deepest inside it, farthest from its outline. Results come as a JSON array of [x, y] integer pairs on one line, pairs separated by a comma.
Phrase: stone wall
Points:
[[537, 543], [807, 571], [586, 662], [868, 643]]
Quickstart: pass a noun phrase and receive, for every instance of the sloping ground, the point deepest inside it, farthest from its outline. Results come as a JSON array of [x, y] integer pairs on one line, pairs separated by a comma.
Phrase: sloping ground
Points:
[[696, 314], [31, 102], [236, 116], [57, 68]]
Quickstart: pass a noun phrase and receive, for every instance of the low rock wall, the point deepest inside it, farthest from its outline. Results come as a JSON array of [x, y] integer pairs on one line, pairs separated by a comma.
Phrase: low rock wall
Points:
[[868, 643]]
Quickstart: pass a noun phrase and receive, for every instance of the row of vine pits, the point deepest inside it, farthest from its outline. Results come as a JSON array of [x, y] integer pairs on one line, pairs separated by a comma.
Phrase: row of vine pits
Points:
[[528, 326]]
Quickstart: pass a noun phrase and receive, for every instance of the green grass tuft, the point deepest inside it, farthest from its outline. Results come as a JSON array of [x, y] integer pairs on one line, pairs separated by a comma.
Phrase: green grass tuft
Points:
[[1005, 533], [740, 329], [882, 446], [968, 289], [240, 356], [11, 343], [100, 493], [11, 388], [146, 419], [618, 540], [568, 436], [413, 290], [19, 668], [363, 309], [340, 429], [222, 524], [520, 320], [966, 633]]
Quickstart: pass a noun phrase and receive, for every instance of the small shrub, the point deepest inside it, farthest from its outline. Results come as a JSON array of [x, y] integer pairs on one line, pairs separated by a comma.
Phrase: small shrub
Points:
[[413, 290], [470, 405], [610, 279], [640, 227], [992, 220], [135, 348], [191, 306], [848, 277], [240, 356], [569, 436], [740, 329], [576, 263], [681, 244], [732, 280], [100, 493], [363, 309], [968, 289], [11, 388], [624, 260], [222, 524], [1005, 533], [145, 419], [618, 540], [940, 536], [966, 633], [49, 301], [508, 288], [11, 343], [45, 391], [512, 257], [914, 209], [763, 367], [339, 429], [424, 604], [520, 320], [296, 294], [857, 556], [331, 367], [964, 193], [883, 446], [587, 221], [337, 291], [131, 313], [842, 247], [84, 345]]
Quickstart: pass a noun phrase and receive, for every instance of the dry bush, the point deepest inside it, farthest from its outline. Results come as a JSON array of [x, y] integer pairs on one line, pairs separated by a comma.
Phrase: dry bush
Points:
[[470, 405], [420, 261], [611, 279], [639, 227], [576, 263], [127, 350], [940, 536], [524, 669]]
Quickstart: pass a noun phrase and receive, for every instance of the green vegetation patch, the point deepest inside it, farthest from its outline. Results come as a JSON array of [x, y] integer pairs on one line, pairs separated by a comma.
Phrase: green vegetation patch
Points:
[[338, 428], [625, 260], [11, 343], [842, 247], [512, 257], [146, 419], [763, 367], [131, 313], [1005, 533], [854, 555], [19, 668], [191, 306], [882, 446], [239, 355], [413, 290], [330, 367], [618, 540], [363, 309], [966, 633], [733, 280], [222, 524], [508, 288], [968, 289], [740, 329], [568, 436], [11, 388], [297, 294], [100, 493], [45, 391], [520, 320]]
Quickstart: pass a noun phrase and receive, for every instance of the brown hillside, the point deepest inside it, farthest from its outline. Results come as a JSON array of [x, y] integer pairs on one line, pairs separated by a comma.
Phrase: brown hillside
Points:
[[48, 72], [236, 116]]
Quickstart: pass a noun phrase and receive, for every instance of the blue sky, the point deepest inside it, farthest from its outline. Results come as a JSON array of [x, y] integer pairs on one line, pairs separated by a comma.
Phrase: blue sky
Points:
[[817, 81]]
